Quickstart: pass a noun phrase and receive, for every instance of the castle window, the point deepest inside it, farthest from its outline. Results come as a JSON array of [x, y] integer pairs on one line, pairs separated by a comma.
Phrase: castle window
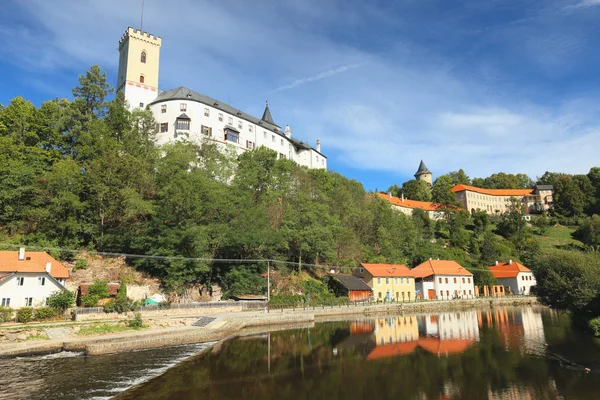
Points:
[[182, 107], [141, 78], [249, 144], [232, 136], [163, 108], [230, 121], [183, 124], [250, 128], [164, 127], [206, 130], [143, 57], [206, 112], [282, 142], [141, 105], [273, 138], [220, 117], [265, 134], [240, 124]]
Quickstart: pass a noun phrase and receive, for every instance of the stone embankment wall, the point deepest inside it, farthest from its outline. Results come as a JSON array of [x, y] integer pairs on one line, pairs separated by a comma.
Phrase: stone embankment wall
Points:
[[172, 312]]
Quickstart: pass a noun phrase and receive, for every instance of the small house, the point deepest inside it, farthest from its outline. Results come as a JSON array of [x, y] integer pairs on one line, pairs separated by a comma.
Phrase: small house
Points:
[[349, 285], [443, 279], [515, 277]]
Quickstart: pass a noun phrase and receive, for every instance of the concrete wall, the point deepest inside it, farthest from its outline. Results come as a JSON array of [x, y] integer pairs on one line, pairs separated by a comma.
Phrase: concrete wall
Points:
[[162, 313]]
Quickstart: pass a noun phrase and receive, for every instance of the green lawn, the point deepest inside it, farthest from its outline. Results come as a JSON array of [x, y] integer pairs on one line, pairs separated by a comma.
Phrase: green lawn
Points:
[[556, 236], [101, 329]]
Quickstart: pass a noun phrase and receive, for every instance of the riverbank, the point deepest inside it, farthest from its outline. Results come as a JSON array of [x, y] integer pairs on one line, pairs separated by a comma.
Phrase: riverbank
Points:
[[218, 327]]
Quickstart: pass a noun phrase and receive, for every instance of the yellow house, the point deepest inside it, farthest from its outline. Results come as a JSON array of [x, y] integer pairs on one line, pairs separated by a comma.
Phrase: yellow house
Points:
[[389, 282]]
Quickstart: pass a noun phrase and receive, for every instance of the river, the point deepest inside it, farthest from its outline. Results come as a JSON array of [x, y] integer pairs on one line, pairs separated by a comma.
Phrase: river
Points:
[[503, 353]]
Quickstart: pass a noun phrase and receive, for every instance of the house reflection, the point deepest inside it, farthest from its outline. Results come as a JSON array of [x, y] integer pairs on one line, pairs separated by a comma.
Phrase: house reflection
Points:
[[520, 329]]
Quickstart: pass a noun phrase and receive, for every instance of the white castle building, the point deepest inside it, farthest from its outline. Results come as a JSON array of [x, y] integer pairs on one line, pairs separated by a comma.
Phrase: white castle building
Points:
[[183, 113]]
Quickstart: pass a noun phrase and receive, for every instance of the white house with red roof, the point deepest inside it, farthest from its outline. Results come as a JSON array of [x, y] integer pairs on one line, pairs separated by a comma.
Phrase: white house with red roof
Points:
[[514, 275], [27, 279], [443, 279]]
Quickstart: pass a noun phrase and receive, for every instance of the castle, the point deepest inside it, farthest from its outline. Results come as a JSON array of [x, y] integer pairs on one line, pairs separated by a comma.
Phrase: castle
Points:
[[182, 113]]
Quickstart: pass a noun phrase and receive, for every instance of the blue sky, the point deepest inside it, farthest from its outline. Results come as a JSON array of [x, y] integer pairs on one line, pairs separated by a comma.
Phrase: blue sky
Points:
[[487, 86]]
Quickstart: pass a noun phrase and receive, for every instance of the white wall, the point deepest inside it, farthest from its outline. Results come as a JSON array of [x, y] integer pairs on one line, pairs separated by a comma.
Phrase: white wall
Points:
[[31, 288], [457, 325], [135, 95], [249, 132], [464, 289], [519, 285]]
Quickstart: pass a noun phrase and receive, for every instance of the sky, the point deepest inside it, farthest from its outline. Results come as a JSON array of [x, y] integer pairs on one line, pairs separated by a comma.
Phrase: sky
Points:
[[487, 86]]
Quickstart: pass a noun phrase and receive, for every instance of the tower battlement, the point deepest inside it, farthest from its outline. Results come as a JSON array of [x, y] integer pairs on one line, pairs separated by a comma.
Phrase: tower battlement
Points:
[[142, 35]]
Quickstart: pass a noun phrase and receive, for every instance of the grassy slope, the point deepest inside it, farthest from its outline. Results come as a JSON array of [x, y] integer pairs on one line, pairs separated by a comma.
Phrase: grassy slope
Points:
[[556, 236]]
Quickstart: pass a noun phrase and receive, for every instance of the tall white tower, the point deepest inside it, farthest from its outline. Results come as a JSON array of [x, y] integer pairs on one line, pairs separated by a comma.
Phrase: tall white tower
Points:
[[139, 60]]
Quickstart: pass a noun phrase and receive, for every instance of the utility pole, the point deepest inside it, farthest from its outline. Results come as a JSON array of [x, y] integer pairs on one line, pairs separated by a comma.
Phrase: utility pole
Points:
[[268, 284], [142, 19]]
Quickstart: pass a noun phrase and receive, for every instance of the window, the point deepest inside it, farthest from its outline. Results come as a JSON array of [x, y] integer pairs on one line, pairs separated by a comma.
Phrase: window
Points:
[[397, 296], [282, 142], [206, 130], [163, 108], [454, 280], [206, 112], [441, 293], [264, 134], [448, 293], [249, 128], [469, 291], [317, 158], [143, 57], [220, 117], [463, 280], [164, 127], [379, 282], [468, 280], [20, 281], [249, 144], [362, 270], [440, 280], [240, 124], [182, 107], [28, 301], [42, 280], [141, 105], [6, 302], [273, 138], [281, 155], [464, 292], [379, 295], [141, 78], [230, 121], [387, 281], [232, 136], [183, 124], [446, 280], [396, 281]]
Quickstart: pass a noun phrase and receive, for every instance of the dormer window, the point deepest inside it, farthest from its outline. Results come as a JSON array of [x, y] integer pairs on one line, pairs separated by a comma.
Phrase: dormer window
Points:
[[183, 123], [143, 57]]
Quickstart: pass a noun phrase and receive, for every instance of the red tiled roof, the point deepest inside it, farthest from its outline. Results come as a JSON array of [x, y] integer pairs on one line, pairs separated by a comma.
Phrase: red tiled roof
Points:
[[34, 262], [391, 350], [439, 267], [113, 288], [492, 192], [506, 270], [438, 346], [385, 270], [397, 201]]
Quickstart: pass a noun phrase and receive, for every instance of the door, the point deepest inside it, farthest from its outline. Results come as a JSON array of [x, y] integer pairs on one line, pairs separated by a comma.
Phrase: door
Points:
[[431, 294], [388, 296]]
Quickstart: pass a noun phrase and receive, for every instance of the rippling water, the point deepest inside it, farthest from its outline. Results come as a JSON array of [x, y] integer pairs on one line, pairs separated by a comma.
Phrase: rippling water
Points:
[[504, 353]]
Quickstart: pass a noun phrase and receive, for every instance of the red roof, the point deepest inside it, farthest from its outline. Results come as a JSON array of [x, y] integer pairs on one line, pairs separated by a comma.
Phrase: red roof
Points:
[[386, 270], [506, 270], [113, 288], [439, 267], [397, 201], [438, 346], [34, 262], [492, 192], [391, 350]]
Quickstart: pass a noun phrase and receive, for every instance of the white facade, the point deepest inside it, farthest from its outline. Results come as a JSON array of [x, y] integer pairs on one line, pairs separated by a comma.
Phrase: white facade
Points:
[[449, 326], [446, 286], [28, 289], [521, 284]]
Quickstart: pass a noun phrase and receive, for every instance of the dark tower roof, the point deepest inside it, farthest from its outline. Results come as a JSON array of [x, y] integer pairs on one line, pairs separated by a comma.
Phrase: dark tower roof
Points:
[[267, 116], [422, 169]]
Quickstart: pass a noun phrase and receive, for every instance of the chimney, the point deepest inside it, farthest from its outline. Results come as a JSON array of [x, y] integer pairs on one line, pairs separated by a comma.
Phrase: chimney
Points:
[[390, 194], [403, 197], [288, 131], [22, 254], [319, 145], [48, 267], [430, 258], [496, 262], [509, 262]]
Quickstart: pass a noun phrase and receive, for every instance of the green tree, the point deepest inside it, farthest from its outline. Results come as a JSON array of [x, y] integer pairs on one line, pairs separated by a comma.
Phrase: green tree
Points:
[[568, 199], [459, 177], [61, 300], [442, 191], [589, 231], [416, 190]]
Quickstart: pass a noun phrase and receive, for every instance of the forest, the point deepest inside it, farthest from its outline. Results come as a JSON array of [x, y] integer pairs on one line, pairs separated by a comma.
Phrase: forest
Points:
[[85, 174]]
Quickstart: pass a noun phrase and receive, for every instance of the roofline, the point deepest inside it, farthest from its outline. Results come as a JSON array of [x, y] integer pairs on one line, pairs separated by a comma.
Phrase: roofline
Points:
[[12, 275]]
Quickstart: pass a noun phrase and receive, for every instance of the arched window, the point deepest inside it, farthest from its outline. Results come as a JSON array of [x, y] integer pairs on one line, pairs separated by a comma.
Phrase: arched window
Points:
[[143, 57], [141, 78]]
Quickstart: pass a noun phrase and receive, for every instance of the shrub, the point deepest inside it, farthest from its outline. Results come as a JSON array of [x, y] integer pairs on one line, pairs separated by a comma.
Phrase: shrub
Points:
[[6, 314], [122, 293], [120, 305], [136, 322], [99, 288], [90, 300], [43, 313], [24, 314], [81, 263], [164, 305], [61, 300], [594, 325]]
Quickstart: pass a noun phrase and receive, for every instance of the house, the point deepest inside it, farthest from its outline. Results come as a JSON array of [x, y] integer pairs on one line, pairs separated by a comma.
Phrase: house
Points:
[[389, 282], [515, 276], [27, 279], [405, 206], [443, 279], [496, 201], [349, 285]]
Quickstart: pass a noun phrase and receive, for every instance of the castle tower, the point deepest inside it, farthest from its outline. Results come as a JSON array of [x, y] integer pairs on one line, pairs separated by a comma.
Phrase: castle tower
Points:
[[423, 173], [139, 59]]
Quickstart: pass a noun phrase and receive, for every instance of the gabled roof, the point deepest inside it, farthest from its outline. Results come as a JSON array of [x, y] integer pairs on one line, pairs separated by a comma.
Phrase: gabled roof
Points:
[[422, 169], [267, 116], [492, 192], [397, 201], [34, 262], [183, 116], [387, 270], [439, 267], [506, 270], [351, 282], [544, 187]]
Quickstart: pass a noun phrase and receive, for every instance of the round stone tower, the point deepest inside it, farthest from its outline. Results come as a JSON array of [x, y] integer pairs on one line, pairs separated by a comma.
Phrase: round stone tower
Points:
[[423, 173]]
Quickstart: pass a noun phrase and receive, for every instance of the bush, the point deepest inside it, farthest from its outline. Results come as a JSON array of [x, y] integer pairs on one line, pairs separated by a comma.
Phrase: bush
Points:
[[90, 300], [136, 322], [594, 325], [121, 305], [24, 314], [6, 314], [43, 313], [164, 305], [81, 263], [99, 288], [122, 293], [61, 300]]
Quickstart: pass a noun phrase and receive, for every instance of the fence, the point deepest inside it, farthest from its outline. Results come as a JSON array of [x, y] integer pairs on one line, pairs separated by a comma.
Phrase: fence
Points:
[[246, 305]]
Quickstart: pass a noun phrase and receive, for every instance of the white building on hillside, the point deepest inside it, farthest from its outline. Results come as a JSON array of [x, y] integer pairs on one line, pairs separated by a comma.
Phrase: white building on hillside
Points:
[[183, 113], [28, 279], [515, 276], [443, 279]]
